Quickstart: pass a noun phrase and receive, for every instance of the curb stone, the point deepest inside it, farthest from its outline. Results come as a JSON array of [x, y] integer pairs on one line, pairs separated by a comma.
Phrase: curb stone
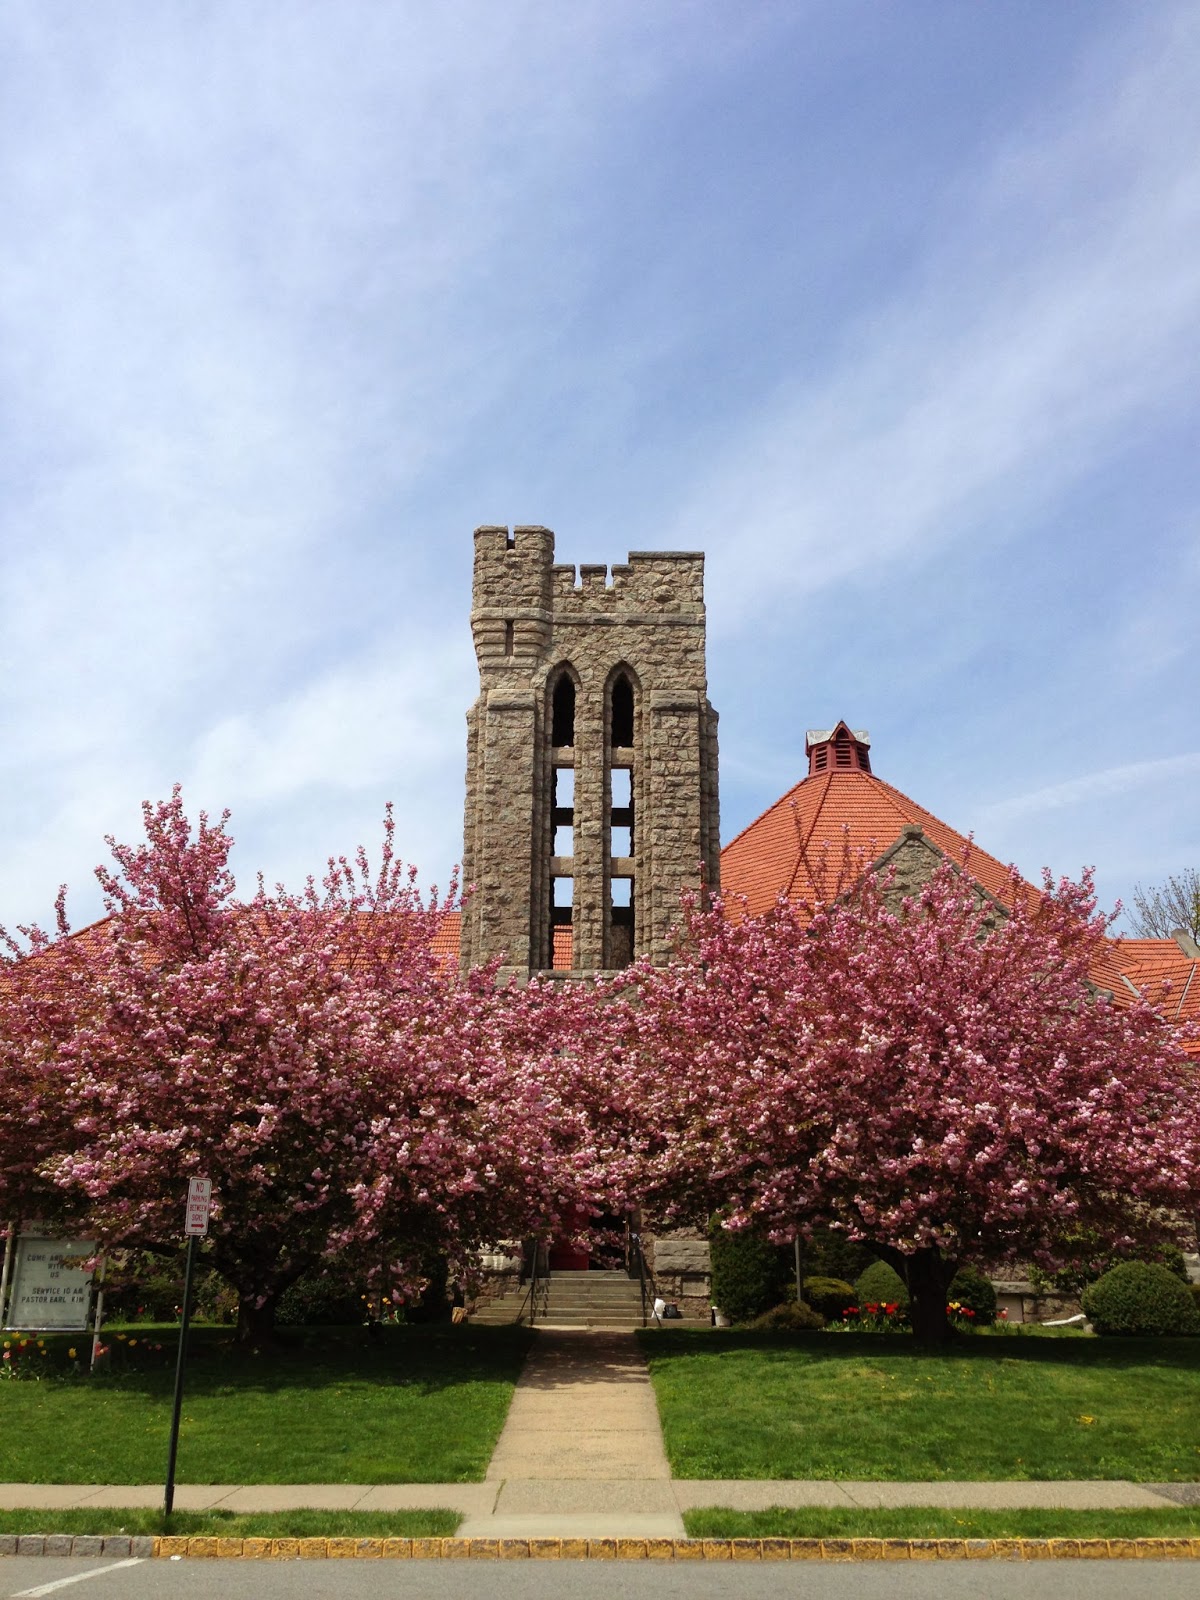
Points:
[[210, 1547]]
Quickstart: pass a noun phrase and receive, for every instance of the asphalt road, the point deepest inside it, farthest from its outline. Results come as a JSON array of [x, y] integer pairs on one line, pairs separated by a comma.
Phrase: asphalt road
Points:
[[84, 1579]]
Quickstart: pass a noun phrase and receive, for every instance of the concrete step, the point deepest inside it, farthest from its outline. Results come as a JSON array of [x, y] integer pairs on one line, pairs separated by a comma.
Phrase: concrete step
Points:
[[608, 1299], [599, 1307], [602, 1291], [557, 1324], [580, 1308], [503, 1312], [509, 1313], [590, 1275]]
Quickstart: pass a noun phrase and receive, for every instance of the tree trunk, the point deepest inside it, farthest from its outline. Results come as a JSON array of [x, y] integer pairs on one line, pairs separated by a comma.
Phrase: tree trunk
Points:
[[928, 1275], [256, 1322]]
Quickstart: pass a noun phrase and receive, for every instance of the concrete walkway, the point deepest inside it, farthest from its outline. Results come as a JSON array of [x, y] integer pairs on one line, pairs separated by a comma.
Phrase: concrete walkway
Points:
[[582, 1451], [480, 1500], [581, 1455]]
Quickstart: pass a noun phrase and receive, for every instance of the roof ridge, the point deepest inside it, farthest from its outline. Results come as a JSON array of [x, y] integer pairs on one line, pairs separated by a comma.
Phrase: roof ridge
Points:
[[967, 838], [802, 839], [924, 811]]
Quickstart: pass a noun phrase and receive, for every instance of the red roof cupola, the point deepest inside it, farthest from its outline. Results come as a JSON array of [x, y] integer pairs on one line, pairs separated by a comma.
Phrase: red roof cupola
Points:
[[839, 749]]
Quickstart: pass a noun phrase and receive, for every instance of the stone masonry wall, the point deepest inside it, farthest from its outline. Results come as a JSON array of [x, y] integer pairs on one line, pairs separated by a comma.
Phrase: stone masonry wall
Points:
[[531, 620]]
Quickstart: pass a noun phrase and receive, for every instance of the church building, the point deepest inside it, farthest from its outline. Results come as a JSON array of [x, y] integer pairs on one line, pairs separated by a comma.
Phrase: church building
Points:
[[592, 801]]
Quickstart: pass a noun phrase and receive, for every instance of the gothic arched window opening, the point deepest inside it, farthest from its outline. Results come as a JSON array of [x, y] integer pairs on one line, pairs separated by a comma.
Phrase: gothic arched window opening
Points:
[[622, 713], [562, 712]]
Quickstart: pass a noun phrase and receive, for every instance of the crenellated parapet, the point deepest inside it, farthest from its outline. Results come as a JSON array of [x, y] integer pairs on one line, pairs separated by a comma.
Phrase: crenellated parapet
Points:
[[650, 582]]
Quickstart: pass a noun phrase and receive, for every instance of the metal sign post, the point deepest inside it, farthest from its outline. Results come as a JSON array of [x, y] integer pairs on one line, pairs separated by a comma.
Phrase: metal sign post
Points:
[[98, 1314], [195, 1227], [10, 1250]]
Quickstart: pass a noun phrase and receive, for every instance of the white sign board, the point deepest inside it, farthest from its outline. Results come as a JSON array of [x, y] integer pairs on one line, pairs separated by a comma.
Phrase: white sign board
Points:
[[50, 1289], [198, 1200]]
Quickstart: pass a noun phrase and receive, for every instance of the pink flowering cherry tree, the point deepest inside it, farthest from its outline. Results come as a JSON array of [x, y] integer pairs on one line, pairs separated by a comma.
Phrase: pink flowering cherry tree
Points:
[[312, 1053], [938, 1078], [41, 979]]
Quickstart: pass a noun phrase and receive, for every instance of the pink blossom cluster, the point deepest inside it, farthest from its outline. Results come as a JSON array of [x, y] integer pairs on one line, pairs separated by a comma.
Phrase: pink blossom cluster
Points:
[[932, 1075], [350, 1100], [935, 1076]]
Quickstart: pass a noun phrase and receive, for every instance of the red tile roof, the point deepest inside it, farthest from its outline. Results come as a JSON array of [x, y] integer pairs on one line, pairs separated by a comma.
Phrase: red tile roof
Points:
[[1165, 973], [795, 848], [445, 945], [445, 940], [788, 848], [799, 840]]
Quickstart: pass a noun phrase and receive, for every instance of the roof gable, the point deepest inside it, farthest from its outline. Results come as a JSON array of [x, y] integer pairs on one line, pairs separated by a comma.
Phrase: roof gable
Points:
[[796, 844]]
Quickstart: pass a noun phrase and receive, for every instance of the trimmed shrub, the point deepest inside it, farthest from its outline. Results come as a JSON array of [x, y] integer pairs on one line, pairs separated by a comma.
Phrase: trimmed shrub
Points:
[[749, 1274], [1141, 1298], [1171, 1257], [830, 1296], [321, 1298], [881, 1285], [1088, 1257], [974, 1293], [793, 1316]]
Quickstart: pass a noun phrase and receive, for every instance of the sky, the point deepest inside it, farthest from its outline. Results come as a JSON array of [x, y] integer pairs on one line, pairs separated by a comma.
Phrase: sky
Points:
[[893, 310]]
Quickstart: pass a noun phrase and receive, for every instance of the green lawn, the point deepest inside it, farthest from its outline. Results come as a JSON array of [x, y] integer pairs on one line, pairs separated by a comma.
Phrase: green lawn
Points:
[[420, 1405], [934, 1522], [239, 1525], [762, 1405]]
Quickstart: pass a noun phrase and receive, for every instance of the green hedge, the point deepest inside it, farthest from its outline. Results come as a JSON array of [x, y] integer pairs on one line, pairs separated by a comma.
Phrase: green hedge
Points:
[[330, 1299], [749, 1274], [973, 1291], [1141, 1297], [829, 1254], [793, 1316], [830, 1296], [881, 1285]]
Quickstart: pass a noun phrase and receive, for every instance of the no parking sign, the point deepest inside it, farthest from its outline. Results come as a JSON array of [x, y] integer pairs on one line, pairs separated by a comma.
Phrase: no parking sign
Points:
[[199, 1202]]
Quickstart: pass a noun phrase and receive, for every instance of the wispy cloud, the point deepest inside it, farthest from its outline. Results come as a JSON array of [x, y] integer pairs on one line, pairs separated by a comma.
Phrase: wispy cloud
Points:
[[390, 722], [1091, 787], [1058, 303], [293, 295]]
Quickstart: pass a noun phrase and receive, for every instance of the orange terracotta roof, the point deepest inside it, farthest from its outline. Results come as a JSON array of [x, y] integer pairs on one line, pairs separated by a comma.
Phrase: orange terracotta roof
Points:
[[795, 848], [445, 940], [444, 945], [1107, 973], [1166, 974], [798, 841], [89, 937]]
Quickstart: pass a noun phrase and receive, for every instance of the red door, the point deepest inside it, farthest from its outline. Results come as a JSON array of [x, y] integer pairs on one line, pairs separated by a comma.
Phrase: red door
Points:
[[568, 1255]]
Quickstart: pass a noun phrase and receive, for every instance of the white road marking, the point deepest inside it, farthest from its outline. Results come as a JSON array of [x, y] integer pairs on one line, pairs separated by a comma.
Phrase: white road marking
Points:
[[61, 1583]]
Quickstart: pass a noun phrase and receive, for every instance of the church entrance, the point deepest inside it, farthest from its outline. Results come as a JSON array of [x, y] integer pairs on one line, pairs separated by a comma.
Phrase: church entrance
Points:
[[569, 1255], [603, 1246]]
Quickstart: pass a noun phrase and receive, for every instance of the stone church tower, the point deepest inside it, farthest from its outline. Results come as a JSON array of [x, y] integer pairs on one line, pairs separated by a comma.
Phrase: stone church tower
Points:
[[591, 756]]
